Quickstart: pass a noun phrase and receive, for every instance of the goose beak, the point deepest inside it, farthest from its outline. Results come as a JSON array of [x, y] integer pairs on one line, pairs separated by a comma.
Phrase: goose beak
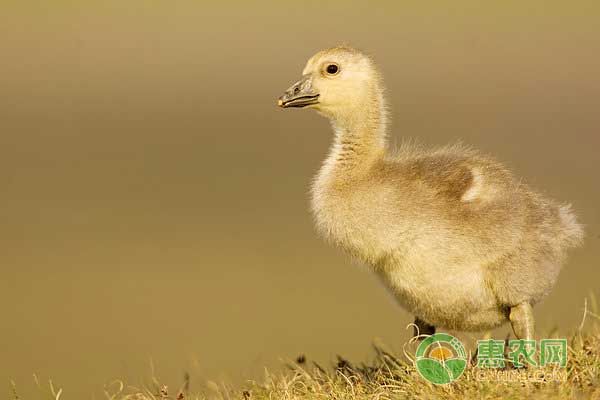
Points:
[[300, 94]]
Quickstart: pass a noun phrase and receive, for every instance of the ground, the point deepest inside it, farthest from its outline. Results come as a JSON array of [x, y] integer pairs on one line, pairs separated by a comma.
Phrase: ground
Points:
[[387, 376]]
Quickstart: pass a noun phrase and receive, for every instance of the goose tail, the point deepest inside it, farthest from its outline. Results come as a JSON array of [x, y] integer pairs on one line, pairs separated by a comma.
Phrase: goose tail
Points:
[[572, 230]]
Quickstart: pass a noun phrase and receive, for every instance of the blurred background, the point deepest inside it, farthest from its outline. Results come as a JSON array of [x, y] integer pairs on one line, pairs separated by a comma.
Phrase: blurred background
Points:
[[154, 200]]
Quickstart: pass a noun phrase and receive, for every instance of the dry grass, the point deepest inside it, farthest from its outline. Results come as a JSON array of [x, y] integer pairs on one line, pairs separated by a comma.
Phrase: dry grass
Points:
[[387, 377]]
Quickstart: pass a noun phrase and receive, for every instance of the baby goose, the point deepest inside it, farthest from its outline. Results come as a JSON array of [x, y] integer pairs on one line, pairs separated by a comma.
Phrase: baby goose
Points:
[[455, 237]]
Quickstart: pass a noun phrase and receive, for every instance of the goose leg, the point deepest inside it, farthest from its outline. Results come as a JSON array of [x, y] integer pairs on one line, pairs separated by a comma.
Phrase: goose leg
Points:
[[423, 328], [521, 318]]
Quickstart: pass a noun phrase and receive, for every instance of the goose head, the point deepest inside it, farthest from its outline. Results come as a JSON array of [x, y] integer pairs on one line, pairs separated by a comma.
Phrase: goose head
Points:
[[336, 82]]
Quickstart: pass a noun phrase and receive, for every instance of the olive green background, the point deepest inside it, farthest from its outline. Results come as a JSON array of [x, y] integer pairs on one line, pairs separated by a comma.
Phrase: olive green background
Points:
[[154, 200]]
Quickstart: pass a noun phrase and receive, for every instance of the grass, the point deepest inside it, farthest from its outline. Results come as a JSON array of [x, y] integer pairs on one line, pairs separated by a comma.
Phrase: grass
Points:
[[387, 376]]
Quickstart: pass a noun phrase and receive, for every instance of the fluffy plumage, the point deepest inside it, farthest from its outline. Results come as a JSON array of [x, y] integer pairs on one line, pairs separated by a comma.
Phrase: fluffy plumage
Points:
[[454, 236]]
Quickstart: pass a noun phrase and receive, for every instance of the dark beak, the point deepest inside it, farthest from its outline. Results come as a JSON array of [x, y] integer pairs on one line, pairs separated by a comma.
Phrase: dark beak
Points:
[[300, 94]]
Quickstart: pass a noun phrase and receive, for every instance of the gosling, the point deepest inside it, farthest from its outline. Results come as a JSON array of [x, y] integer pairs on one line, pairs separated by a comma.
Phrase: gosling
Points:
[[458, 241]]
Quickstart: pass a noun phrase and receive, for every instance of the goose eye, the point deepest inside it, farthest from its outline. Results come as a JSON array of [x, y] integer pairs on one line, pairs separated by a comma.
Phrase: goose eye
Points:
[[332, 69]]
